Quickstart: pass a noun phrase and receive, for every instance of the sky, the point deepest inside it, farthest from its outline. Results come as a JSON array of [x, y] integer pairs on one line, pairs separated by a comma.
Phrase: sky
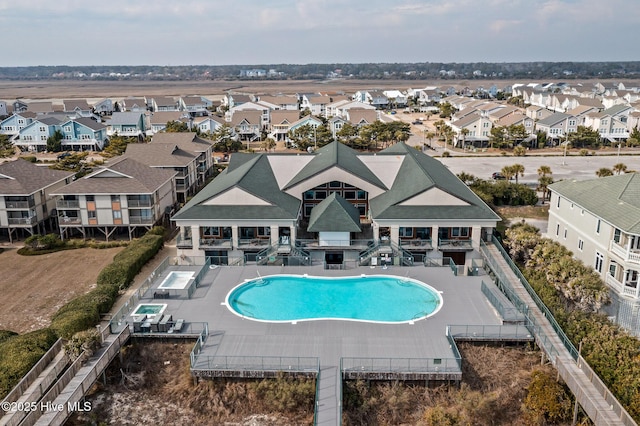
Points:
[[254, 32]]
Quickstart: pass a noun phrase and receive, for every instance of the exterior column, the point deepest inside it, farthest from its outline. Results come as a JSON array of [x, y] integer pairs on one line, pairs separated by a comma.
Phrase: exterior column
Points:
[[292, 236], [274, 234], [476, 234], [394, 234], [195, 237], [376, 232], [434, 236], [234, 236]]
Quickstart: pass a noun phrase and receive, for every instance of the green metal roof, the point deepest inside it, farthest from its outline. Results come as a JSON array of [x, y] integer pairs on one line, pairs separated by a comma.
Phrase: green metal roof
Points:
[[336, 154], [253, 175], [615, 199], [334, 214], [419, 173]]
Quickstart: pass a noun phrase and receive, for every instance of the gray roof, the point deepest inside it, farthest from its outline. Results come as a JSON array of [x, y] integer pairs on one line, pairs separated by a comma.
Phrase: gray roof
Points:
[[159, 154], [336, 155], [120, 118], [615, 199], [188, 141], [251, 173], [126, 176], [419, 173], [554, 118], [21, 177], [334, 214], [90, 123]]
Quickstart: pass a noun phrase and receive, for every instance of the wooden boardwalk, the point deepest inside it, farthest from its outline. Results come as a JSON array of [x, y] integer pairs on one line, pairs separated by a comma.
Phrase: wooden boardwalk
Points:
[[596, 400]]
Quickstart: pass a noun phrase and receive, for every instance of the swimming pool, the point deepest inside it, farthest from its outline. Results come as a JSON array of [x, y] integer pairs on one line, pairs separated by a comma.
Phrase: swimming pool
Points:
[[367, 298], [176, 280], [150, 309]]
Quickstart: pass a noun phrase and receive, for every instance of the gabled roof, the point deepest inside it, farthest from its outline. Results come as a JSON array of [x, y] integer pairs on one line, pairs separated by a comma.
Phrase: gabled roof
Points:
[[40, 107], [252, 116], [248, 174], [163, 117], [189, 141], [335, 214], [362, 115], [124, 118], [615, 199], [467, 120], [553, 119], [418, 175], [192, 100], [21, 177], [126, 176], [73, 104], [338, 155], [284, 116], [164, 101], [159, 154]]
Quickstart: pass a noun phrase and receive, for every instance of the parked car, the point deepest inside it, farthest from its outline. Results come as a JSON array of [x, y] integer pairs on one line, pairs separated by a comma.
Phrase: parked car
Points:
[[63, 155], [498, 176], [416, 122]]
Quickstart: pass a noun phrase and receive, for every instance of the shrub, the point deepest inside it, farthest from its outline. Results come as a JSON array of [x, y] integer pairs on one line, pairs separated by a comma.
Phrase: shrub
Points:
[[30, 158], [18, 354], [69, 323], [5, 334], [547, 401], [446, 154], [157, 230], [83, 341]]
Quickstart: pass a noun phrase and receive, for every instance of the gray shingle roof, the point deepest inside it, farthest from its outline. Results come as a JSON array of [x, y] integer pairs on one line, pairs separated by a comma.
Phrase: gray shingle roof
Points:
[[187, 141], [335, 214], [336, 155], [419, 173], [251, 173], [159, 154], [127, 176], [21, 177], [615, 199], [120, 118]]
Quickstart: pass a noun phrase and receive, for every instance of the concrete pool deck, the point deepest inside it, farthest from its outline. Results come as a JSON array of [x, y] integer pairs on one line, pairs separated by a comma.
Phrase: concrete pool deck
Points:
[[463, 304]]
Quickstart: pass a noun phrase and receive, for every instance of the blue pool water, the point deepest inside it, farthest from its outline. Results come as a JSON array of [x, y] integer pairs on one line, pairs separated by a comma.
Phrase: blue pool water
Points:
[[372, 298]]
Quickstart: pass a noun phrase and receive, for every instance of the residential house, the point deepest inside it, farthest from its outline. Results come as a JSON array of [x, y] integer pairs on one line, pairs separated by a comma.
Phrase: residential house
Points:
[[19, 106], [191, 142], [247, 124], [158, 120], [27, 204], [170, 157], [281, 102], [194, 105], [251, 106], [103, 107], [557, 126], [231, 100], [34, 136], [377, 99], [611, 123], [127, 124], [336, 207], [340, 108], [537, 112], [359, 117], [77, 107], [125, 196], [396, 98], [517, 119], [598, 221], [318, 105], [208, 124], [281, 121], [14, 123], [477, 133], [581, 112], [163, 104], [133, 104], [501, 112], [3, 109], [82, 134]]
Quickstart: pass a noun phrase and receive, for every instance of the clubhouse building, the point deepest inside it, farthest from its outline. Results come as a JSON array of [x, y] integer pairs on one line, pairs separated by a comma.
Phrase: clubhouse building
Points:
[[335, 206]]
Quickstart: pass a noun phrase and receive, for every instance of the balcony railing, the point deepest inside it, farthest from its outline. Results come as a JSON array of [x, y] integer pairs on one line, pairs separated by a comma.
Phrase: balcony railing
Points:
[[68, 204], [621, 288], [322, 244], [631, 256], [182, 242], [18, 204], [138, 203], [141, 220], [444, 244], [417, 244], [245, 243], [69, 220], [22, 220], [215, 242]]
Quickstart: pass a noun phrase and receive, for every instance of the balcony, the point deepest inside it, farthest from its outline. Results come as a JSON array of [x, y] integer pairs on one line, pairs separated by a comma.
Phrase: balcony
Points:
[[309, 244], [252, 243], [68, 204], [22, 220], [454, 245], [138, 203], [141, 220], [23, 205], [69, 220], [629, 256], [621, 288], [208, 243], [417, 244]]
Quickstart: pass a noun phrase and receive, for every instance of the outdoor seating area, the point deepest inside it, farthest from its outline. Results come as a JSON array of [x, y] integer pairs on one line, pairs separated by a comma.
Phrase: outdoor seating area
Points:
[[157, 324]]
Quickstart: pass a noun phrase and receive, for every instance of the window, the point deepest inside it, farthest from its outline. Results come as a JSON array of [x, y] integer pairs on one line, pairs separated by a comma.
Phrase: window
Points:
[[557, 230], [264, 231], [616, 236], [406, 231], [599, 262], [362, 209], [335, 184], [571, 206], [115, 198], [580, 244], [613, 266], [117, 214], [349, 195], [43, 129], [598, 227], [92, 214], [90, 197], [308, 195], [565, 233], [307, 209], [582, 212], [459, 232], [210, 231], [362, 195], [321, 195]]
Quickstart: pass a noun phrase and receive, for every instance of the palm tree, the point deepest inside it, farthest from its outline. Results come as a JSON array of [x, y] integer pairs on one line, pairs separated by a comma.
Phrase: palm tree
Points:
[[508, 172], [619, 168], [518, 169], [464, 132], [430, 136], [467, 178], [603, 172], [544, 180]]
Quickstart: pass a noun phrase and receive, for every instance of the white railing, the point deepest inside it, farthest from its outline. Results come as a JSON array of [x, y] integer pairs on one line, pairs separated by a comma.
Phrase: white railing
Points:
[[628, 256]]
